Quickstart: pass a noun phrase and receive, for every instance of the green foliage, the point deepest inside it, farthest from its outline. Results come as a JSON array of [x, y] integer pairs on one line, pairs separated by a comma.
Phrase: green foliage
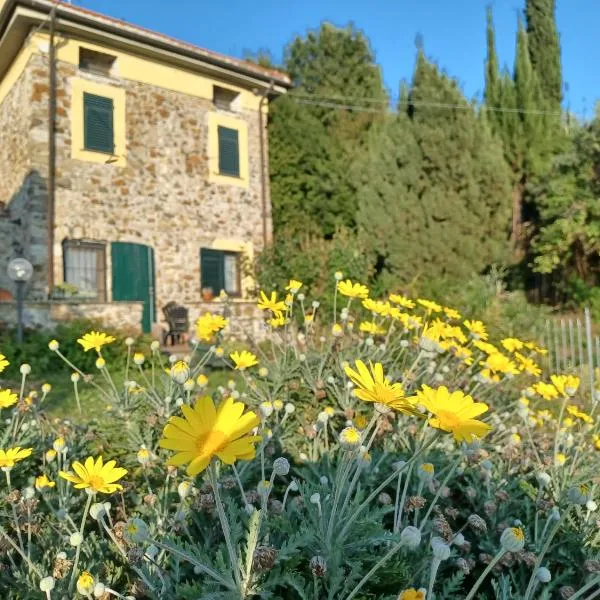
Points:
[[311, 146], [35, 352], [544, 48], [314, 261], [568, 237], [435, 192]]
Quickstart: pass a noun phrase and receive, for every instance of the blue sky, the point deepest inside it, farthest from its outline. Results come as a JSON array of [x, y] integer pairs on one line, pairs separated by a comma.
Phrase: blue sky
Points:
[[453, 32]]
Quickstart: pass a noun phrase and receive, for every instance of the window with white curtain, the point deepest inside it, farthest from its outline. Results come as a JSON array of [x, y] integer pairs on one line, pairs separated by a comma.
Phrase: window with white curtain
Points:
[[84, 267]]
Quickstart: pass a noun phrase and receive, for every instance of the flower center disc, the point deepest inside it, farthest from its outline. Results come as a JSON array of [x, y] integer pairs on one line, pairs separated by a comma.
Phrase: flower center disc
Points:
[[448, 419], [210, 442], [96, 482]]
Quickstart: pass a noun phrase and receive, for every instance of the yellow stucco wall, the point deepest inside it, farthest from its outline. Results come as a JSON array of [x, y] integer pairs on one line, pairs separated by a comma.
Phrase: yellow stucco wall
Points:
[[17, 67], [78, 87]]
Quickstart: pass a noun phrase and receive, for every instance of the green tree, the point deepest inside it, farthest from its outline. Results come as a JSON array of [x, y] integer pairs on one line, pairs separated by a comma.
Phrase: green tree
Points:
[[434, 189], [567, 244], [313, 136], [544, 48]]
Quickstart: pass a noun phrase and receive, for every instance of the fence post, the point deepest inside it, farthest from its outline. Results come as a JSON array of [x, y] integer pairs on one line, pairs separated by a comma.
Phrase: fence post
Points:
[[590, 350]]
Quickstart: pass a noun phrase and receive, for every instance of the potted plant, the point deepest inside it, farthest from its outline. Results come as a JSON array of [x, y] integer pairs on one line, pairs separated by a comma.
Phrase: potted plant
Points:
[[207, 294]]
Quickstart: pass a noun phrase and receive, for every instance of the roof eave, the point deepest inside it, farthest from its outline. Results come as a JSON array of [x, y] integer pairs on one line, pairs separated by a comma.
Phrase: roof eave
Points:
[[18, 17]]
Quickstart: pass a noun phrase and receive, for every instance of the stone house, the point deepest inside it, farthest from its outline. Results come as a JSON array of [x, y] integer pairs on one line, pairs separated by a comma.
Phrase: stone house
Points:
[[153, 186]]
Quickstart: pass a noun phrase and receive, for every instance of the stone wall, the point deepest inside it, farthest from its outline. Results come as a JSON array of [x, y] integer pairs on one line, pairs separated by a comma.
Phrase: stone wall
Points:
[[162, 197], [245, 318], [22, 186], [45, 315]]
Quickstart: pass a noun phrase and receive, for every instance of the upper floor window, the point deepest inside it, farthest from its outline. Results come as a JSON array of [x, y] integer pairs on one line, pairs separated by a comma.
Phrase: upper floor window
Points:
[[229, 151], [96, 62], [98, 126], [225, 98], [220, 270], [85, 268]]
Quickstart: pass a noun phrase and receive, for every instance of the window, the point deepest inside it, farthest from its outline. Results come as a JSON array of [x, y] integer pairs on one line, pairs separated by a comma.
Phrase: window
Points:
[[220, 270], [229, 152], [225, 98], [85, 268], [96, 62], [98, 134]]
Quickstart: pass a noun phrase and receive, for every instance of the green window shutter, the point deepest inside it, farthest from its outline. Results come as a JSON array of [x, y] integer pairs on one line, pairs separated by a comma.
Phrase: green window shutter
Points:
[[98, 123], [229, 152], [212, 270]]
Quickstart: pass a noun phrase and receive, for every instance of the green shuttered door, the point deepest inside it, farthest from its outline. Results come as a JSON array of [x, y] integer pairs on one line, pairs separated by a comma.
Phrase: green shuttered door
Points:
[[133, 277], [98, 123], [229, 152]]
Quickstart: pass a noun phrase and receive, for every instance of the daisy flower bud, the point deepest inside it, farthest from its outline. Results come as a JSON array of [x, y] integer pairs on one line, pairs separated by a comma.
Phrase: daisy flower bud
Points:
[[189, 385], [183, 489], [263, 371], [136, 531], [75, 539], [338, 275], [266, 409], [143, 455], [59, 444], [513, 539], [289, 408], [579, 494], [350, 438], [543, 479], [53, 345], [139, 358], [180, 372], [425, 472], [100, 363], [154, 346], [315, 498], [47, 584], [543, 575], [75, 377], [281, 466], [97, 511], [411, 537], [25, 369], [129, 341], [50, 455], [277, 405], [99, 590], [441, 550], [46, 388]]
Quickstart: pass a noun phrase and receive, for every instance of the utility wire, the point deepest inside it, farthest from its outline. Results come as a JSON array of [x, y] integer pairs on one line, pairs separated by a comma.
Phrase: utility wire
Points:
[[346, 102]]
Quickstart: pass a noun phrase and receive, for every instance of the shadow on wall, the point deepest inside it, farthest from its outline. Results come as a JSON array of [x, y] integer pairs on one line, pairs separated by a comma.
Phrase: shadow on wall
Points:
[[23, 232]]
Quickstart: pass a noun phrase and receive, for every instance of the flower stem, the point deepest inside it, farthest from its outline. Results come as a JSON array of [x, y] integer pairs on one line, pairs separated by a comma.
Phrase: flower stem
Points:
[[225, 526], [435, 565], [86, 510], [485, 573]]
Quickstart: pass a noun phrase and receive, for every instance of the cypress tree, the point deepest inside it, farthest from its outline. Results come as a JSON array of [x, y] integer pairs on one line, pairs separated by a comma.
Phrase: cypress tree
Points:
[[544, 48], [434, 189], [312, 145], [492, 75]]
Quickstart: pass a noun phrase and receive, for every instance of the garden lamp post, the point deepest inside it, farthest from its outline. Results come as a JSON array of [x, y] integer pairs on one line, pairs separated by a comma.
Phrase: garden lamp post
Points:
[[20, 271]]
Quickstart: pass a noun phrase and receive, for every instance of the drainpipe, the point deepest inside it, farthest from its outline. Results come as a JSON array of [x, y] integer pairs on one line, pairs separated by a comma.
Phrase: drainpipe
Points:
[[51, 149], [263, 166]]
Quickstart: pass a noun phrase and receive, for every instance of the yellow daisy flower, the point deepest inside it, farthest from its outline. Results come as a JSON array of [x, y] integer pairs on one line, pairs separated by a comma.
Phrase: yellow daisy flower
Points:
[[243, 359], [512, 344], [271, 303], [451, 313], [9, 458], [372, 386], [205, 432], [3, 363], [546, 390], [527, 365], [95, 476], [477, 329], [7, 398], [453, 412], [352, 290], [566, 385], [371, 328], [377, 306], [94, 340], [402, 301], [485, 347], [412, 594], [293, 286], [208, 324], [42, 482], [430, 305]]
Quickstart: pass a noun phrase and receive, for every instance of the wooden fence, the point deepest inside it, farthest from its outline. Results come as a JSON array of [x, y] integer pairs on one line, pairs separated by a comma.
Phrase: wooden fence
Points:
[[572, 348]]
